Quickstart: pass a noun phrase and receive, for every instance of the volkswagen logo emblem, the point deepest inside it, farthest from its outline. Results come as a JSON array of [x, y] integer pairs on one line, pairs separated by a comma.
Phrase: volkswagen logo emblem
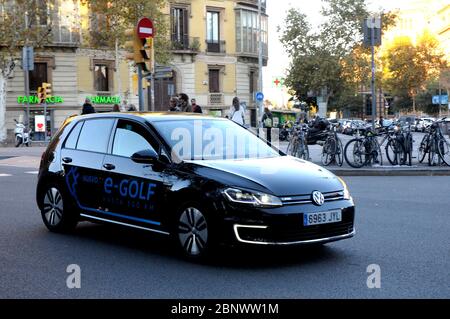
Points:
[[318, 198]]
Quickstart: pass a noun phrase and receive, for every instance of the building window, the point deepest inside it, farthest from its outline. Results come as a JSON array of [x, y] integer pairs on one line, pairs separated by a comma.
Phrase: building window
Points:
[[101, 77], [179, 28], [38, 75], [214, 80], [213, 31], [247, 32]]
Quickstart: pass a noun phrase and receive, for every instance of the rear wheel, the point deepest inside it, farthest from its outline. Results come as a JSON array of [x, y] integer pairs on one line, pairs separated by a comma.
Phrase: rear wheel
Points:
[[355, 154], [328, 151], [422, 152], [433, 155], [444, 150], [57, 212], [395, 152], [303, 151], [340, 153]]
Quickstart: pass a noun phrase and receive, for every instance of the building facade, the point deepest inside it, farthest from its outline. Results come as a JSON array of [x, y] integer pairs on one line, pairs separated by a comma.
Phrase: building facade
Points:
[[215, 53], [214, 58]]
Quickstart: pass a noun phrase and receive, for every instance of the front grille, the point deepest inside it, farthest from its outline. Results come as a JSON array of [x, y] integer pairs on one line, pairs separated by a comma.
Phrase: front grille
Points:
[[306, 199], [291, 229]]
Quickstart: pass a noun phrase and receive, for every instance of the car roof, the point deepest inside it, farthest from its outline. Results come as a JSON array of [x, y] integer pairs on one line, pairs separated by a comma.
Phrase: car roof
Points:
[[150, 116]]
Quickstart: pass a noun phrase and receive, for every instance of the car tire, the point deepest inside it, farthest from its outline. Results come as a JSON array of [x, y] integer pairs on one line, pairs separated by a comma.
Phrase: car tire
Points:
[[192, 231], [58, 213]]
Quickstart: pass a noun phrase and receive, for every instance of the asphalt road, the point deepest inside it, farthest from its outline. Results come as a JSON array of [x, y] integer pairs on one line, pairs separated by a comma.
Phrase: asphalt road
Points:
[[402, 225]]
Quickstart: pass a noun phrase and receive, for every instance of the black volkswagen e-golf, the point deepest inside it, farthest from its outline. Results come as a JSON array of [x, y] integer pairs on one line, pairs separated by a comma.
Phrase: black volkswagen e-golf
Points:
[[201, 180]]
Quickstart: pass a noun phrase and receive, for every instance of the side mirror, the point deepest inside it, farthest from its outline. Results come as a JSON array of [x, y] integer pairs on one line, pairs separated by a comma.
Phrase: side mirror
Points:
[[145, 157]]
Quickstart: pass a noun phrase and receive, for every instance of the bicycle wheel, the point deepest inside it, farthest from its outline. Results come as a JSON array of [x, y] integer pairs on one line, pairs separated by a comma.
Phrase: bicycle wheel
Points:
[[355, 154], [339, 157], [377, 155], [395, 152], [302, 151], [292, 147], [444, 150], [423, 149], [328, 151]]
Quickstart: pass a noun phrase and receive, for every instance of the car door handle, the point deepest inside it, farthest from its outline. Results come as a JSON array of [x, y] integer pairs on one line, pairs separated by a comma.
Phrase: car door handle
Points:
[[67, 160], [109, 167]]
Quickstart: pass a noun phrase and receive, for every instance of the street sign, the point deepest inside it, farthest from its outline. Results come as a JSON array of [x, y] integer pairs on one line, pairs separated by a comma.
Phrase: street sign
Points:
[[39, 123], [27, 58], [259, 96], [145, 28], [440, 99], [373, 23], [278, 81]]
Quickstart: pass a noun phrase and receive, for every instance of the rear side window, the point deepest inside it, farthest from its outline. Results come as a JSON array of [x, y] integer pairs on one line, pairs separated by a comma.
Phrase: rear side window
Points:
[[94, 135], [71, 141]]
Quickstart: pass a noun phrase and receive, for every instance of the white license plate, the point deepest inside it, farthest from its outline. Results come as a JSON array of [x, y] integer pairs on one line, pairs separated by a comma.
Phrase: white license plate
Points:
[[332, 216]]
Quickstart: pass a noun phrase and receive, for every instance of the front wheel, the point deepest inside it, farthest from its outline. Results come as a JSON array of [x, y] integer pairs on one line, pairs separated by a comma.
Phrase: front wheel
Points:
[[328, 152], [444, 150], [193, 236], [18, 141], [355, 154], [423, 149]]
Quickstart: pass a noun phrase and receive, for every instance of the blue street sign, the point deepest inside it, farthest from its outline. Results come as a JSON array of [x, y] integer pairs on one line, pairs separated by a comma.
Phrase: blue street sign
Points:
[[259, 96], [440, 99]]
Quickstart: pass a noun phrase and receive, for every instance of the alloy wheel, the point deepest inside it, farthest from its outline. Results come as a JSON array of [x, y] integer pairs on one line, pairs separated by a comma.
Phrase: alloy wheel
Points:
[[192, 231], [53, 206]]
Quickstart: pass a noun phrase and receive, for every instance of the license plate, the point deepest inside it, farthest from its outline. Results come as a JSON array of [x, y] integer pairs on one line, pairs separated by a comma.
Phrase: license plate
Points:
[[332, 216]]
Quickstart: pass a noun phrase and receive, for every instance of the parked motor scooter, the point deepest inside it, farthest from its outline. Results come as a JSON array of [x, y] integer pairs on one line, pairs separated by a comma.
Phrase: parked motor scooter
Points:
[[22, 136]]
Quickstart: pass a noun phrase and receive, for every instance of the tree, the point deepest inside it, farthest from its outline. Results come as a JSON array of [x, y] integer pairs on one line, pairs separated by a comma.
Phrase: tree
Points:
[[117, 16], [330, 60], [21, 23], [409, 67]]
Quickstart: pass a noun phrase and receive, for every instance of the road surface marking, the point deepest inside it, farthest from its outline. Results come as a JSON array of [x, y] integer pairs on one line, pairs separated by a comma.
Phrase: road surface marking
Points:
[[5, 175], [32, 172]]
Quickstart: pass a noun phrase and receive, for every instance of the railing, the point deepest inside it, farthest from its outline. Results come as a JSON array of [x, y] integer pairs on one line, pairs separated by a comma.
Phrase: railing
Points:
[[215, 46], [185, 43], [215, 99]]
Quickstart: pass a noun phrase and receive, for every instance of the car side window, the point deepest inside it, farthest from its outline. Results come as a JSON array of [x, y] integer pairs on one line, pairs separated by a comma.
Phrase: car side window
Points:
[[131, 137], [71, 141], [95, 135]]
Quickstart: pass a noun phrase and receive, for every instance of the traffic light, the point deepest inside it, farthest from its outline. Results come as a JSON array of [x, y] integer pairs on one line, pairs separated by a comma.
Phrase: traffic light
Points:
[[148, 55], [40, 94], [47, 90], [134, 46]]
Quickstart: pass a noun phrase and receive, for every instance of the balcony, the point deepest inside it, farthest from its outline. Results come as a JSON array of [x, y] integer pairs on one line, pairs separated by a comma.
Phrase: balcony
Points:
[[215, 46], [215, 99], [254, 3], [65, 36], [185, 44]]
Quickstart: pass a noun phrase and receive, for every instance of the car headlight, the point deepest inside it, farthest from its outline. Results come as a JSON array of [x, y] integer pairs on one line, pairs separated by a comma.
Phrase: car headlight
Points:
[[252, 198], [346, 191]]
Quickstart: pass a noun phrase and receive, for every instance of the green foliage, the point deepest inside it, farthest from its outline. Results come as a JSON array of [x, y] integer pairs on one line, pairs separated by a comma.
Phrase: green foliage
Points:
[[110, 19], [14, 33], [331, 58]]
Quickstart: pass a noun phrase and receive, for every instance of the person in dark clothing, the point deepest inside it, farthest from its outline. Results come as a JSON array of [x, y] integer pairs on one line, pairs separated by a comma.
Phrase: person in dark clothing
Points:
[[116, 108], [173, 104], [132, 108], [87, 107], [184, 102], [195, 107], [267, 121]]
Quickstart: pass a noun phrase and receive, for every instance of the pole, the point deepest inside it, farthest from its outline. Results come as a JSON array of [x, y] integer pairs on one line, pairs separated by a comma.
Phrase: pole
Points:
[[260, 64], [119, 80], [26, 78], [140, 90], [45, 121], [374, 101], [440, 92]]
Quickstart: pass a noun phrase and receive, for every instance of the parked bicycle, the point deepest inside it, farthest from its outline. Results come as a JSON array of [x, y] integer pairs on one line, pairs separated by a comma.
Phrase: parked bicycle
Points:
[[332, 150], [363, 151], [436, 145], [297, 145], [399, 144]]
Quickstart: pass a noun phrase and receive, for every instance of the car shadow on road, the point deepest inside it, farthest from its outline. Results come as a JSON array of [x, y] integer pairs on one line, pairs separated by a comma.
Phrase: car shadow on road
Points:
[[239, 257]]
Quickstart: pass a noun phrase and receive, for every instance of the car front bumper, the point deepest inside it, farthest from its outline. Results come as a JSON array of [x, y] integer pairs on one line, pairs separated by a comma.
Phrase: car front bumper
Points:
[[284, 225]]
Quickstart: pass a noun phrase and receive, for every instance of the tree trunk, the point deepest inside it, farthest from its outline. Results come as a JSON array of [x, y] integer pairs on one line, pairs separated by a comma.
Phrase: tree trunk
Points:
[[2, 108]]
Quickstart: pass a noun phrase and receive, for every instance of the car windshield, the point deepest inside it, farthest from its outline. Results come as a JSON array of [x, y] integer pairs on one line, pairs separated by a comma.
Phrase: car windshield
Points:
[[210, 139]]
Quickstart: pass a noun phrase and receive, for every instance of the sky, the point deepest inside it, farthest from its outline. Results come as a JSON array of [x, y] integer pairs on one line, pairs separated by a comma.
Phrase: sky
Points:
[[278, 59]]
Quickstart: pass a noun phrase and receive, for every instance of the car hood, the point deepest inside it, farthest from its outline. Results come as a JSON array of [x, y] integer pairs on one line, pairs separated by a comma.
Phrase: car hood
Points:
[[280, 176]]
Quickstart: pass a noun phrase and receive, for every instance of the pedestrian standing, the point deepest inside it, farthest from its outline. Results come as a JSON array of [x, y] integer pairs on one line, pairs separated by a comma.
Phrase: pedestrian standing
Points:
[[195, 107], [116, 108], [87, 107], [267, 120], [173, 105], [124, 106], [237, 112], [132, 108], [183, 99]]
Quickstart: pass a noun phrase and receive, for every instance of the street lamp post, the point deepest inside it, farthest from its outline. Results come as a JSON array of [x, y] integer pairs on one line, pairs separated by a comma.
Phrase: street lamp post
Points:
[[260, 64]]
